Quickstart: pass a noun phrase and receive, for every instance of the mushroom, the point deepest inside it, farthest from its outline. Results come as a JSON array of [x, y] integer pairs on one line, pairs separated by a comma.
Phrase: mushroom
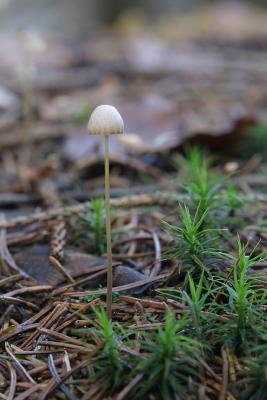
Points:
[[105, 120]]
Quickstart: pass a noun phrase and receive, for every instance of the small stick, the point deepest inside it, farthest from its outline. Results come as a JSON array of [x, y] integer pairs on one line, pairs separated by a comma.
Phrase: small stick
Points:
[[129, 387], [135, 200], [13, 381], [10, 279], [157, 266], [61, 269], [21, 329], [122, 288], [63, 338], [28, 289], [62, 386], [17, 363], [225, 376], [52, 384], [27, 394], [13, 300]]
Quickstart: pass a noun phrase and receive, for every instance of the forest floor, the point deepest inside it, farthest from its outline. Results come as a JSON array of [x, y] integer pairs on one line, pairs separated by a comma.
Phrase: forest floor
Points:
[[189, 221]]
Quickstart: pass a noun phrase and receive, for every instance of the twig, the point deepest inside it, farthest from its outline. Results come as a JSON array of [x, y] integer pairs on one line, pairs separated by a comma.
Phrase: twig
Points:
[[10, 279], [82, 348], [61, 385], [145, 303], [27, 394], [61, 290], [30, 289], [224, 376], [5, 314], [59, 267], [118, 288], [13, 381], [20, 329], [157, 265], [12, 300], [52, 385], [131, 201], [19, 366], [47, 322], [63, 338], [5, 255], [129, 387]]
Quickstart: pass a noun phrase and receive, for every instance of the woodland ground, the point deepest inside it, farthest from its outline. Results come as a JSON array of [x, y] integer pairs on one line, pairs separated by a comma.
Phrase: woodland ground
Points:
[[189, 221]]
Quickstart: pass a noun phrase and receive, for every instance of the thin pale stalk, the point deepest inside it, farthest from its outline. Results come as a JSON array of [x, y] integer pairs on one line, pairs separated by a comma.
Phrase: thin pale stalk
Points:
[[108, 230]]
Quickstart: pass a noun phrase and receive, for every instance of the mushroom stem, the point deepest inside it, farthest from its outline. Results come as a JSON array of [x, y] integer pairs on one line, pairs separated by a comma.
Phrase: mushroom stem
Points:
[[108, 229]]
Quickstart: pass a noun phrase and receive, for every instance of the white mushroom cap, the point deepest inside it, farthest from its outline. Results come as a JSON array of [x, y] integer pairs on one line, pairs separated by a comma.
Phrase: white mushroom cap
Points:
[[105, 120]]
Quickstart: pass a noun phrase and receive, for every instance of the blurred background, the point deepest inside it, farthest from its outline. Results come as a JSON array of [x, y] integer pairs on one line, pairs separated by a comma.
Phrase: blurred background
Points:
[[180, 73], [70, 19], [184, 70]]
